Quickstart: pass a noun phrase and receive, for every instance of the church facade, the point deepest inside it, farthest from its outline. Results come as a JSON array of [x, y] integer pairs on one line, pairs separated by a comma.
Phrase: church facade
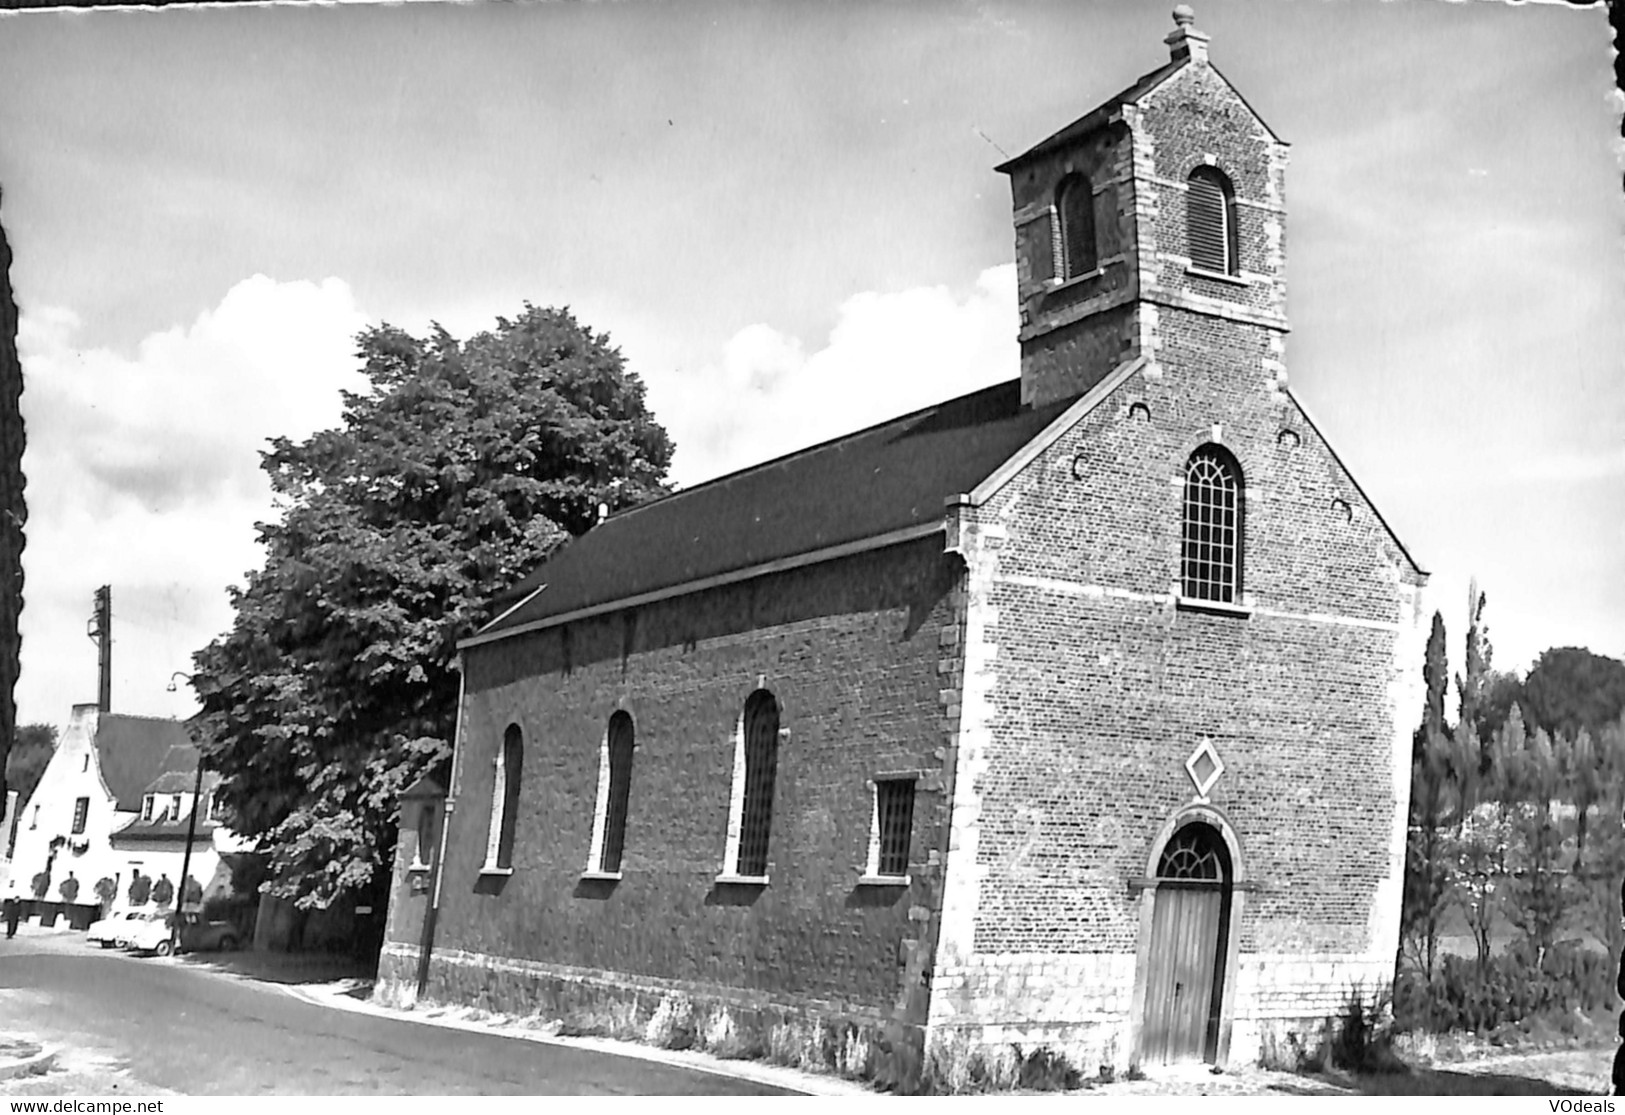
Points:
[[1072, 713]]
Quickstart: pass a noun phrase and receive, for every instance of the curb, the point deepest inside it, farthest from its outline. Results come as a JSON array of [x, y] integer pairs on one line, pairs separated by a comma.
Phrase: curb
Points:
[[771, 1076], [42, 1062]]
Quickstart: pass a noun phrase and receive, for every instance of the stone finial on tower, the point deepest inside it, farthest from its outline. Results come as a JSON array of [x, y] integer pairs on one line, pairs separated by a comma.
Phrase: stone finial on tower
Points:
[[1185, 41]]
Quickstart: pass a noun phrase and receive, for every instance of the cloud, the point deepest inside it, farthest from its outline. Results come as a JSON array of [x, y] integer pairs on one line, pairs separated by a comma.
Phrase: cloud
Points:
[[888, 354], [1598, 465], [143, 473]]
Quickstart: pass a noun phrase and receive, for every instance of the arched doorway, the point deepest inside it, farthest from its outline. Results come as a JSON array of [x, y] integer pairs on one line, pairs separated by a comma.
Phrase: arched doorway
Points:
[[1190, 928]]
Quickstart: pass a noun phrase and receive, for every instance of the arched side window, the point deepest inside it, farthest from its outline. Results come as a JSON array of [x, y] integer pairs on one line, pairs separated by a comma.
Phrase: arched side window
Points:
[[1075, 232], [1211, 550], [510, 768], [756, 762], [1210, 221], [618, 791]]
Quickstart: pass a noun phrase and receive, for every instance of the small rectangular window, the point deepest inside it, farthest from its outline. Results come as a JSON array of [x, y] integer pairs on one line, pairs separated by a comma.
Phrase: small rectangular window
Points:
[[894, 824], [147, 806], [174, 807], [81, 811]]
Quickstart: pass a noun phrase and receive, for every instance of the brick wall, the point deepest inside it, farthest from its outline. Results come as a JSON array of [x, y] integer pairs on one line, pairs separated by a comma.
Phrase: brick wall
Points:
[[1086, 688], [861, 654], [1098, 688]]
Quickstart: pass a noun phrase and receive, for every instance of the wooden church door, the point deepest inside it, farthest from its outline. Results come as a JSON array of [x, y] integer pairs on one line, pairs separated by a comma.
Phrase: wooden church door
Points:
[[1189, 925]]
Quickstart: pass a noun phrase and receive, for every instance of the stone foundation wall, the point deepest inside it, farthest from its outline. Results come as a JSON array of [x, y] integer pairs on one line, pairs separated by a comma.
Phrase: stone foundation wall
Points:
[[836, 1036], [1081, 1005]]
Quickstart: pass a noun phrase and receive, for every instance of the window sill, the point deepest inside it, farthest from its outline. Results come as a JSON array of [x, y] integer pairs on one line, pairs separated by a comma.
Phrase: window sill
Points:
[[602, 876], [1212, 607], [417, 867], [886, 881], [1217, 276], [492, 869], [742, 880], [1054, 285]]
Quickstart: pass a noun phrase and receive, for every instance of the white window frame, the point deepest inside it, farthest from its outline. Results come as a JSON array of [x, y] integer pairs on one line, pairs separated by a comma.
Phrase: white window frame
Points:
[[148, 804], [871, 870], [499, 803], [600, 816], [175, 806], [736, 802]]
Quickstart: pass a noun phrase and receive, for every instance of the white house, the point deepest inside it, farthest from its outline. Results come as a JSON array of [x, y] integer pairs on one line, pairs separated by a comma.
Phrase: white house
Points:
[[115, 798]]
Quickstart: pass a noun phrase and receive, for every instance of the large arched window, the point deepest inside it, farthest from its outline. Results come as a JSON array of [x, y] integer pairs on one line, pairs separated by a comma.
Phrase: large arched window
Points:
[[1075, 239], [1211, 552], [618, 749], [510, 767], [759, 728], [1210, 221]]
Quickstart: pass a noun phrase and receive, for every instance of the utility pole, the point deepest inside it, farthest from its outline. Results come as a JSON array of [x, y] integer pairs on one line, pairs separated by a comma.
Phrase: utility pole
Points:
[[100, 630], [191, 830]]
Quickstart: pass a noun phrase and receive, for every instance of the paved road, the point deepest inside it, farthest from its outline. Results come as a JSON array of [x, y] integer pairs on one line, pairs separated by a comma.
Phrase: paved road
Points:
[[202, 1033]]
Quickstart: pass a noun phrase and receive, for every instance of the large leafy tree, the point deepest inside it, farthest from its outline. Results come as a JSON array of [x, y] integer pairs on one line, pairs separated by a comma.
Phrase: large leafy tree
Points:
[[463, 466], [34, 746], [1570, 688]]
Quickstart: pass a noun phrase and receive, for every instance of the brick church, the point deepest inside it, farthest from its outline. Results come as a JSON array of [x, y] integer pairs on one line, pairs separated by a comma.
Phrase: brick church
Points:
[[1074, 712]]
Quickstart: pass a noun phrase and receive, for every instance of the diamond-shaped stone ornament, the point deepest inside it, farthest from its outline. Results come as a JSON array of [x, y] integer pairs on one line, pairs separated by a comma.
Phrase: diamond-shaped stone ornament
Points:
[[1204, 766]]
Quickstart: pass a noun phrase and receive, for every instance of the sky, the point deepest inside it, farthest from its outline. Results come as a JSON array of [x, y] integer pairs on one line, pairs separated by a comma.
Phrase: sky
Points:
[[786, 216]]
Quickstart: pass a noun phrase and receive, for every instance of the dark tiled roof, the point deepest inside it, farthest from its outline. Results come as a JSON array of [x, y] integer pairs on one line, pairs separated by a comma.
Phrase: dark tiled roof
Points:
[[1096, 117], [178, 772], [131, 750], [880, 480], [165, 829]]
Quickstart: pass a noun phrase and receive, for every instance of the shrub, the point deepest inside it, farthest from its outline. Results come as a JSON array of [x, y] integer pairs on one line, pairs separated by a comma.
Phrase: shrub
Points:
[[140, 888], [1513, 986], [42, 883], [163, 890], [69, 889], [1044, 1070], [672, 1024], [106, 890], [1363, 1040]]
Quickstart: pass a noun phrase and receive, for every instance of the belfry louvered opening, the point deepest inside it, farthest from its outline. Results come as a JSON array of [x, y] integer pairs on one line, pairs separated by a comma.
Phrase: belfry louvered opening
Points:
[[761, 766], [1210, 221], [1211, 551], [622, 736], [1075, 243]]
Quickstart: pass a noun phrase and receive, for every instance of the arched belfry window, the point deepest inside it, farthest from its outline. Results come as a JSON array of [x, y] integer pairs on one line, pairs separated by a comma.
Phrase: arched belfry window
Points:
[[505, 800], [1075, 239], [1211, 550], [756, 768], [1210, 221]]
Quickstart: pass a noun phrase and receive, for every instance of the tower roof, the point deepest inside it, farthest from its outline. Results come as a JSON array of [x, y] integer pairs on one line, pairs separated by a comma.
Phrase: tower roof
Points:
[[1186, 45]]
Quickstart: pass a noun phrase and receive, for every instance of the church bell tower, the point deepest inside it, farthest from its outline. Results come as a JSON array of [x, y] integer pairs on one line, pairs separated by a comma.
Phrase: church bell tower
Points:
[[1154, 227]]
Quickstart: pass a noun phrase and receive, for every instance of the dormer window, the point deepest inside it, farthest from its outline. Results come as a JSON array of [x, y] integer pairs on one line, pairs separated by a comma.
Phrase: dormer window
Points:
[[148, 803], [1210, 222], [1075, 227], [174, 807]]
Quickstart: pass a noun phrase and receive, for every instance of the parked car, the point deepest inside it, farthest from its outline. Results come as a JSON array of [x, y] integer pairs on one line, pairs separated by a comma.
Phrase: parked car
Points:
[[148, 931], [106, 931], [198, 935]]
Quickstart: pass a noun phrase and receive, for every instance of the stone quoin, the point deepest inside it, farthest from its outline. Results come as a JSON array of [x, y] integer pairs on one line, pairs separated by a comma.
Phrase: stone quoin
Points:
[[1074, 712]]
